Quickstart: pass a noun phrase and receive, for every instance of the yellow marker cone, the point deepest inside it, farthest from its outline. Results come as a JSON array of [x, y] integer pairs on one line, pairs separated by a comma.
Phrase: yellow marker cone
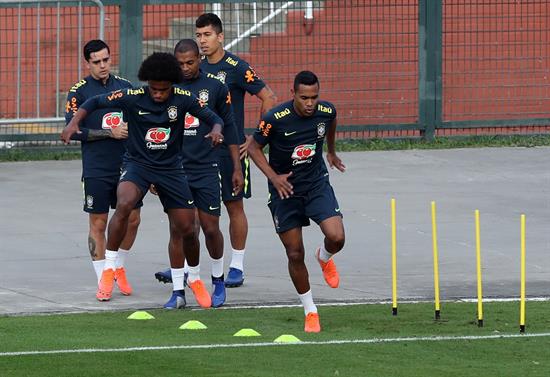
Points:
[[285, 338], [140, 315], [247, 332], [193, 325]]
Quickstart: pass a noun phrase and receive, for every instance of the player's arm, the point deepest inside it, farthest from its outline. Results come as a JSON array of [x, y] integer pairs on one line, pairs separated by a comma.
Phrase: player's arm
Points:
[[231, 138], [268, 98], [255, 151], [332, 159], [209, 117]]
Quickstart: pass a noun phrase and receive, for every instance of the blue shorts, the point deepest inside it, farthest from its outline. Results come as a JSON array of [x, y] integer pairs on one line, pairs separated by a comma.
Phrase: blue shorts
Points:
[[171, 184], [100, 194], [205, 187], [317, 204], [226, 172]]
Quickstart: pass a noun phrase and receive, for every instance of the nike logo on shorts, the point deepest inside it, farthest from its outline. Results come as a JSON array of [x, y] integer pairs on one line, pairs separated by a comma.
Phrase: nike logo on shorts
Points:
[[212, 208], [190, 202]]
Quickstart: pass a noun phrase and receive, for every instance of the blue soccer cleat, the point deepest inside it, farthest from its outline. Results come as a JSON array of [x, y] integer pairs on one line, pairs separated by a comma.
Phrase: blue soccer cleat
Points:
[[218, 292], [177, 300], [164, 276], [235, 278]]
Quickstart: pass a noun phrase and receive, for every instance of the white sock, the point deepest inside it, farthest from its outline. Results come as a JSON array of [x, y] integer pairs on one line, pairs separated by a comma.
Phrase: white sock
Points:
[[110, 259], [121, 258], [98, 267], [324, 255], [237, 259], [177, 278], [307, 302], [217, 267], [194, 273], [185, 267]]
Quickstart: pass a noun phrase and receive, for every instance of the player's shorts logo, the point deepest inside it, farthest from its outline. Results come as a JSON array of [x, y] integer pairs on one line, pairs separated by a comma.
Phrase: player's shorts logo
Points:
[[111, 120], [89, 201], [158, 135], [303, 153], [173, 113]]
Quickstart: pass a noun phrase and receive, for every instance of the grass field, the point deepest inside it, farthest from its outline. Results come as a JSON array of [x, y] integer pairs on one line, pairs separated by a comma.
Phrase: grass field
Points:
[[357, 340]]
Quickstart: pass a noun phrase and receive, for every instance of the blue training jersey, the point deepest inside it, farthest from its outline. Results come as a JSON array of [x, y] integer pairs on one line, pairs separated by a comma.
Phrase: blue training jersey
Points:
[[296, 143], [100, 158], [197, 150], [155, 129], [240, 78]]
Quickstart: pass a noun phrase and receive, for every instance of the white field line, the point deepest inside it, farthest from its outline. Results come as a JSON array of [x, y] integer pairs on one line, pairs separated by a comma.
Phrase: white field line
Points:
[[270, 344]]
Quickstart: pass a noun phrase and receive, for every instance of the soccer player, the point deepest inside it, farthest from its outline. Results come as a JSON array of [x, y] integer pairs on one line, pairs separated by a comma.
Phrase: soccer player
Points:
[[200, 159], [156, 114], [239, 76], [298, 182], [102, 143]]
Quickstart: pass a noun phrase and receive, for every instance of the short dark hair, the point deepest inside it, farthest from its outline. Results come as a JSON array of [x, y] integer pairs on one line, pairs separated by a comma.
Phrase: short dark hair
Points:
[[305, 78], [160, 66], [186, 45], [92, 46], [210, 19]]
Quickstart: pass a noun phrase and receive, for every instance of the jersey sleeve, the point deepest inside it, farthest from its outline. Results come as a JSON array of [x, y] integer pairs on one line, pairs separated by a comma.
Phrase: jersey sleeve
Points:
[[264, 132], [248, 79], [74, 101], [225, 111], [202, 112]]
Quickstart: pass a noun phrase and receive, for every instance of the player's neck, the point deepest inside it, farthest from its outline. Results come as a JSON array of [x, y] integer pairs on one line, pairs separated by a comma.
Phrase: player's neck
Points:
[[216, 56]]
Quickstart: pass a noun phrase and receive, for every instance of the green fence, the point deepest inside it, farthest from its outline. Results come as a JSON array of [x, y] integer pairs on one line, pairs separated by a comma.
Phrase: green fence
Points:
[[393, 68]]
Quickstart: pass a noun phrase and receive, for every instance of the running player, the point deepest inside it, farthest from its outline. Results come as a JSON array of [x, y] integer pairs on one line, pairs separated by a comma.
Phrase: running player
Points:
[[156, 113], [239, 76], [102, 146], [200, 160], [298, 182]]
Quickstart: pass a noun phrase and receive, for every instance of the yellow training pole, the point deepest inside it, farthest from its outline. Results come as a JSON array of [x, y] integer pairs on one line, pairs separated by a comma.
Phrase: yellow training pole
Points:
[[393, 259], [522, 294], [436, 263], [478, 263]]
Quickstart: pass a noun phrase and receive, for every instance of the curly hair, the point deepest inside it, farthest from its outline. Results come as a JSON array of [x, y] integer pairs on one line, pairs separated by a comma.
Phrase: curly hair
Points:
[[160, 66]]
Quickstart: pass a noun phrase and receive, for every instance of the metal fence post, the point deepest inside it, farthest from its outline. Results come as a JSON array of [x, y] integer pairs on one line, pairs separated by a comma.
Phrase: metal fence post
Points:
[[430, 87], [131, 36]]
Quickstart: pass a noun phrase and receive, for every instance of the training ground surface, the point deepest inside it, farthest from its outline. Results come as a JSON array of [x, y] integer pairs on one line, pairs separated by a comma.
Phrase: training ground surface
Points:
[[45, 265]]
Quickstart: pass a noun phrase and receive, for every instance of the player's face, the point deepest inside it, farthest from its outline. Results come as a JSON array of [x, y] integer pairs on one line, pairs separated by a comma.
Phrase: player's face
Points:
[[159, 90], [99, 64], [306, 99], [189, 64], [208, 40]]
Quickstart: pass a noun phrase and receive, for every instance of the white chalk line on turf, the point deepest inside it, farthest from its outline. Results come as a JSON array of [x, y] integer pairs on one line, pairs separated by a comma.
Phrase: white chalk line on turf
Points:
[[271, 344]]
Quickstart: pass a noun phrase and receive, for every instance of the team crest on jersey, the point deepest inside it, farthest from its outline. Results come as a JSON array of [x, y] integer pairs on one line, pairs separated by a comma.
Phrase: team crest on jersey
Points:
[[303, 153], [89, 201], [321, 129], [173, 113], [111, 120], [203, 96], [221, 75]]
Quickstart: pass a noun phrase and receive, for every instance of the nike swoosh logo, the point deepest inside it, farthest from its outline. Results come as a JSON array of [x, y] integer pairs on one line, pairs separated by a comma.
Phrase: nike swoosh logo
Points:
[[337, 209], [212, 208], [190, 202], [143, 112], [290, 133]]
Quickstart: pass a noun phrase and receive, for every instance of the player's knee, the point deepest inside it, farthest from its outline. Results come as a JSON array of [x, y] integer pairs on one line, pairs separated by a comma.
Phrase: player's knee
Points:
[[98, 225], [337, 240], [295, 255]]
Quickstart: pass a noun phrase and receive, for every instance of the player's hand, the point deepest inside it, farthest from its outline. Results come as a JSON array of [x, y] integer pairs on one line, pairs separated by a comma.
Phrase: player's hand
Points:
[[282, 185], [153, 190], [335, 162], [120, 132], [216, 136], [243, 148], [71, 129], [238, 181]]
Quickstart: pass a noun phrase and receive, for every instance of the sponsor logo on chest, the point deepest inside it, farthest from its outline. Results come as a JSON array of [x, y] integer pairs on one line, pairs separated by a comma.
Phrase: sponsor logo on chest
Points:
[[157, 138], [303, 154]]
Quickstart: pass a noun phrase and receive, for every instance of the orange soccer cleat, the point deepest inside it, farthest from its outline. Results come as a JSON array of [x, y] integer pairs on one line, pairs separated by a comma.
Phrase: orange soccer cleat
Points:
[[122, 282], [105, 286], [312, 323], [201, 294], [329, 271]]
